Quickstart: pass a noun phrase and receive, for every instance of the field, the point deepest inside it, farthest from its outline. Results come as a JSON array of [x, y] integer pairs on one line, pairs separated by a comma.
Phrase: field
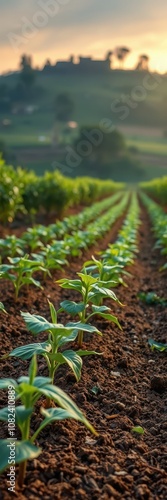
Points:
[[116, 308], [143, 127]]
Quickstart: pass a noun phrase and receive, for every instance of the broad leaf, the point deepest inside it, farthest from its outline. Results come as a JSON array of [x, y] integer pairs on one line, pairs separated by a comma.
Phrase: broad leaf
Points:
[[24, 450], [27, 351], [6, 382], [87, 280], [73, 360], [64, 401], [100, 309], [2, 308], [110, 317], [157, 345], [83, 327], [72, 307]]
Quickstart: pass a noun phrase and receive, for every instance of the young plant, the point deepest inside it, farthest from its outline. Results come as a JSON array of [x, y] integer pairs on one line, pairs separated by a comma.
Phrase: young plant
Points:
[[104, 270], [157, 346], [92, 291], [29, 390], [58, 335], [152, 299], [11, 246], [2, 308], [20, 271]]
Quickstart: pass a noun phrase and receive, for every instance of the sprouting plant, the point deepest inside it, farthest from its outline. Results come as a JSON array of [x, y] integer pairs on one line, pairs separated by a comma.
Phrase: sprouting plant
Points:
[[104, 270], [2, 308], [29, 390], [151, 298], [53, 256], [58, 335], [20, 271], [157, 346], [31, 239], [11, 246], [138, 430], [92, 291]]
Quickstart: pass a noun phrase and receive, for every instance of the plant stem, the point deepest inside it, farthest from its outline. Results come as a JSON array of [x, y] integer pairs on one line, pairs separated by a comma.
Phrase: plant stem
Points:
[[80, 338], [23, 465], [83, 320], [22, 473]]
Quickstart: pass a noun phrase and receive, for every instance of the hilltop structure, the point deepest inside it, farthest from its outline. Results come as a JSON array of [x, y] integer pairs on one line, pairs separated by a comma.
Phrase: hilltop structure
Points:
[[84, 65]]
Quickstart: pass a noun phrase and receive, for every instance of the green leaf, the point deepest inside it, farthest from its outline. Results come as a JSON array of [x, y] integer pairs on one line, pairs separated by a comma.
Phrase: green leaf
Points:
[[70, 284], [53, 312], [106, 292], [157, 345], [88, 353], [100, 309], [84, 327], [27, 351], [138, 429], [22, 414], [4, 413], [86, 279], [63, 340], [110, 317], [33, 368], [36, 324], [5, 382], [72, 307], [53, 414], [24, 450], [2, 308], [73, 360], [95, 390], [64, 401], [30, 281]]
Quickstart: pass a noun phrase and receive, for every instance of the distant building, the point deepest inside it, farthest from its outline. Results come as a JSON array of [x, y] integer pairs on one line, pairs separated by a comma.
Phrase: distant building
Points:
[[91, 65], [85, 65]]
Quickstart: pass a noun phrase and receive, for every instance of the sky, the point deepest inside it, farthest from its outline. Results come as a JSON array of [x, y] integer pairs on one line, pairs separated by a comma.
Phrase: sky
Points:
[[56, 29]]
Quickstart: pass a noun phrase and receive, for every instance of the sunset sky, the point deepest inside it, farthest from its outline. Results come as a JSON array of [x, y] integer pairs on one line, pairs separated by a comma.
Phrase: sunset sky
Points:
[[56, 29]]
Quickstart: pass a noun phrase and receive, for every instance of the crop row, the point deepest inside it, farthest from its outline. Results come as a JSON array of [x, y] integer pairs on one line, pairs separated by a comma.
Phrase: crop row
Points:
[[24, 192], [93, 285], [159, 223], [156, 188], [37, 236], [20, 270]]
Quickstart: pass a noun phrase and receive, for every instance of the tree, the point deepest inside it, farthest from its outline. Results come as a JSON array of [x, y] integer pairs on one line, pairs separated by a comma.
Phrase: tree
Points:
[[104, 147], [27, 74], [64, 107], [143, 62], [121, 54], [108, 58]]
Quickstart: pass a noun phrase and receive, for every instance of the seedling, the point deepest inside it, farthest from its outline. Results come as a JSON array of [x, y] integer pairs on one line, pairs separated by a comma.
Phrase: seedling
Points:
[[151, 298], [20, 271], [104, 270], [92, 290], [11, 246], [29, 390], [157, 346], [58, 335], [138, 430], [2, 308]]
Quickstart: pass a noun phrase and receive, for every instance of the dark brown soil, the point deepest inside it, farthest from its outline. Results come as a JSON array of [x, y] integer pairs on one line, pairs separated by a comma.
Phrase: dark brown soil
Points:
[[132, 391]]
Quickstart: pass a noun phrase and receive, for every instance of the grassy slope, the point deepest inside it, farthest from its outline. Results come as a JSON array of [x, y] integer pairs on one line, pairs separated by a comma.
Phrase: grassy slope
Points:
[[93, 97]]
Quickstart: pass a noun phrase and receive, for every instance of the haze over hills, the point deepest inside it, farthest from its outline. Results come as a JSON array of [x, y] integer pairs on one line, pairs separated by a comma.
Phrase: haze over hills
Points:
[[133, 101]]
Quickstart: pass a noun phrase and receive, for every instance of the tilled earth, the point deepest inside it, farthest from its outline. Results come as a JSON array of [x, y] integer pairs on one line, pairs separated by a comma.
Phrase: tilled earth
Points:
[[130, 383]]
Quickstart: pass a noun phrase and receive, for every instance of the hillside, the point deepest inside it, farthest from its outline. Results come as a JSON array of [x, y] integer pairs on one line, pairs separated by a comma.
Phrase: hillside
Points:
[[135, 102]]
